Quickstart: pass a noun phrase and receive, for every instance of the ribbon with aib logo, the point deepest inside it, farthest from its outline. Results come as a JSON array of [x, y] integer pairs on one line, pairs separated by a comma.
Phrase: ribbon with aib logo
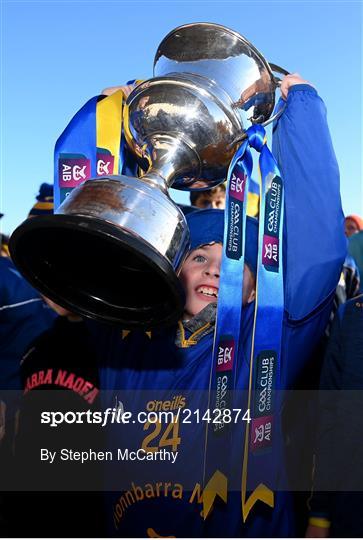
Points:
[[259, 466], [227, 331], [91, 145], [258, 470]]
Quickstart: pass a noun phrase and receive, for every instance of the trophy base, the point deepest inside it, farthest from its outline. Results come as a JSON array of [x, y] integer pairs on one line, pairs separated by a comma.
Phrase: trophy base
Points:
[[93, 268]]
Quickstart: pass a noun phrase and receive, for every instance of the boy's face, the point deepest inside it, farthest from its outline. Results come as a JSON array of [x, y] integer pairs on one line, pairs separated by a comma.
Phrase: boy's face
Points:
[[200, 278]]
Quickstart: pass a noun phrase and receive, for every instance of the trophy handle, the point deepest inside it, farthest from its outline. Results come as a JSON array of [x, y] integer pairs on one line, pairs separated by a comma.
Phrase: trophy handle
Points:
[[277, 81], [278, 69]]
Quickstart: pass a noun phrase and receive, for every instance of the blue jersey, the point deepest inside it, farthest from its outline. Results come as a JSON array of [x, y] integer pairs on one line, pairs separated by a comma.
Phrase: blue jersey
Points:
[[23, 317], [150, 373]]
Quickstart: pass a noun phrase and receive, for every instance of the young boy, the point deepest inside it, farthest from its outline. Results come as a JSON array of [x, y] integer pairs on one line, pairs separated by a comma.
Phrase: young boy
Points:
[[170, 370], [163, 372], [59, 373]]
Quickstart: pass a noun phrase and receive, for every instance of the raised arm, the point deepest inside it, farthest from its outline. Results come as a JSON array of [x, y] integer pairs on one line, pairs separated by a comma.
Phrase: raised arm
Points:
[[315, 245]]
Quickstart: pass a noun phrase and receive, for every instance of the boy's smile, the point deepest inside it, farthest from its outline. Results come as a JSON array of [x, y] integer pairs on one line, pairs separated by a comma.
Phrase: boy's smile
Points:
[[207, 291], [200, 278]]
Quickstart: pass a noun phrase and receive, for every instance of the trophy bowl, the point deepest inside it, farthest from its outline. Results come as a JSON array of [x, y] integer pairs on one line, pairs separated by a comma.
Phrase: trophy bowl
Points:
[[113, 249], [223, 56]]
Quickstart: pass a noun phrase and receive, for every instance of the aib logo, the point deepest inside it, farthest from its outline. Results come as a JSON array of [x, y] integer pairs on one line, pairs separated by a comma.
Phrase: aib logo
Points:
[[270, 254], [261, 435], [238, 182], [225, 355], [102, 167], [73, 171], [262, 432], [79, 173], [104, 164]]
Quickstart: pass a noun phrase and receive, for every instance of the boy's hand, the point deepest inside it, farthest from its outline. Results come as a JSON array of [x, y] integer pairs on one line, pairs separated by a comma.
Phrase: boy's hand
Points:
[[291, 80], [127, 89]]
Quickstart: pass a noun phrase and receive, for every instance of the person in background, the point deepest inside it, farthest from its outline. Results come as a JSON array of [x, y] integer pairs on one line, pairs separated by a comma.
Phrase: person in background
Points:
[[59, 373], [59, 360], [337, 500], [355, 250], [352, 225], [349, 282], [4, 245], [350, 277], [23, 313], [300, 415], [23, 317], [348, 288], [210, 198]]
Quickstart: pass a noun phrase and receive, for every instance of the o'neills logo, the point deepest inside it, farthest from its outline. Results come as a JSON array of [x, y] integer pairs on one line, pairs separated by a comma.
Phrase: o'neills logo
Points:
[[177, 402], [261, 432], [225, 356], [104, 164], [73, 171], [237, 185]]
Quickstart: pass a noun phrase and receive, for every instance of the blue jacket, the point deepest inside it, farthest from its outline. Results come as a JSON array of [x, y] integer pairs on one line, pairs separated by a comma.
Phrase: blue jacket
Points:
[[23, 317], [143, 372], [338, 479]]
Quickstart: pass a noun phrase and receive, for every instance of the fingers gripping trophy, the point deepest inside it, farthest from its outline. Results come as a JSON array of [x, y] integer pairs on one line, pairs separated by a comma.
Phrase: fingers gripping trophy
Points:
[[114, 247]]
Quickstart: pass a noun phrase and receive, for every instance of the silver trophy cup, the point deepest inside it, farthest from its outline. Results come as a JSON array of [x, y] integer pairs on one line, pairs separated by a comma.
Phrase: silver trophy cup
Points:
[[114, 248]]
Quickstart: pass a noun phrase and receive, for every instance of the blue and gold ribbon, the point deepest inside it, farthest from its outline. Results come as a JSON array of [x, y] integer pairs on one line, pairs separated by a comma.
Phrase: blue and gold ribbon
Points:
[[258, 469], [226, 337], [91, 145], [257, 472], [75, 152], [108, 134], [253, 199]]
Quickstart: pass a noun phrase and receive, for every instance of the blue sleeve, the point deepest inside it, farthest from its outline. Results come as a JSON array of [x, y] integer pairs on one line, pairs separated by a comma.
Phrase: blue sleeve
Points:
[[315, 245]]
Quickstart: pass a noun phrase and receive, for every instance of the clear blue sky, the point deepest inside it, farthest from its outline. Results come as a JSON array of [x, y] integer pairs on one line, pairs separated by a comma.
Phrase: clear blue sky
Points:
[[57, 54]]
